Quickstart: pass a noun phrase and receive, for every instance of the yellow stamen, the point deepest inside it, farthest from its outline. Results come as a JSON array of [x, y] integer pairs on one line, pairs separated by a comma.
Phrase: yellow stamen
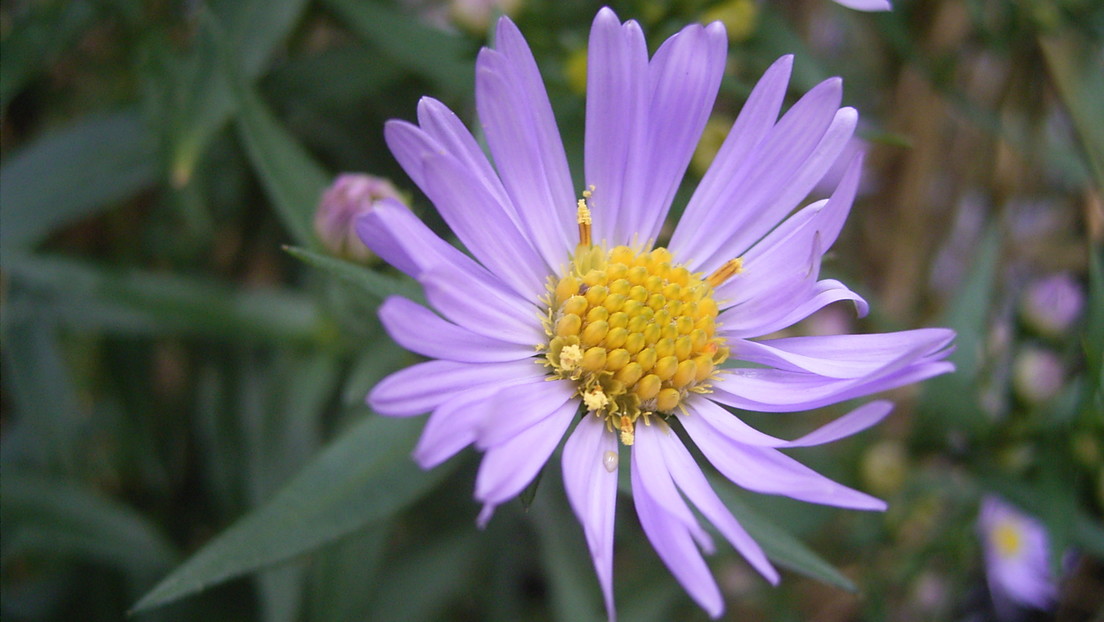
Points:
[[584, 222], [595, 399], [627, 435], [570, 357], [731, 268]]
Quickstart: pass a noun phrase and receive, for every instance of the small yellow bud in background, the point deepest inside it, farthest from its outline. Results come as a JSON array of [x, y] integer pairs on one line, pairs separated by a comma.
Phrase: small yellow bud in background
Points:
[[740, 17], [716, 130], [475, 15], [884, 467], [575, 71]]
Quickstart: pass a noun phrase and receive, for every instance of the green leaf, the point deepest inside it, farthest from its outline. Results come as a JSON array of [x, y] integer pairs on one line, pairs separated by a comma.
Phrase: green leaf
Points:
[[950, 401], [73, 173], [420, 584], [779, 545], [291, 177], [376, 285], [192, 92], [341, 571], [257, 27], [1074, 65], [575, 593], [36, 37], [364, 476], [48, 428], [281, 411], [136, 302], [1089, 533], [1092, 402], [435, 54], [47, 517]]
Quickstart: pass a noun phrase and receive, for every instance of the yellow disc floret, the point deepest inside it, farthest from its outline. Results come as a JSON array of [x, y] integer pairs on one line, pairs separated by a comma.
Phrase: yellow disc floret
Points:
[[635, 331]]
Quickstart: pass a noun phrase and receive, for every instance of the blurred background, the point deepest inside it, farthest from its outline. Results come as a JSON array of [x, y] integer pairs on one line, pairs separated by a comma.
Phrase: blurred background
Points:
[[186, 344]]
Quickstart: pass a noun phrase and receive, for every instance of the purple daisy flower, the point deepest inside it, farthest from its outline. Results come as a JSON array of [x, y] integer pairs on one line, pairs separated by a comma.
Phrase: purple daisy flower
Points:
[[1017, 557], [567, 314]]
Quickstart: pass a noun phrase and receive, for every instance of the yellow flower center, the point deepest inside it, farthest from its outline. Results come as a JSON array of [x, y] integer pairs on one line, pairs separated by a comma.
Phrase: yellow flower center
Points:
[[1007, 539], [635, 331]]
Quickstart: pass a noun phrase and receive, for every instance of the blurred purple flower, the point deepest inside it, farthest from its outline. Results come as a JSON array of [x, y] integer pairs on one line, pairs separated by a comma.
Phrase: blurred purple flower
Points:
[[1017, 560], [569, 316], [1051, 305], [349, 196]]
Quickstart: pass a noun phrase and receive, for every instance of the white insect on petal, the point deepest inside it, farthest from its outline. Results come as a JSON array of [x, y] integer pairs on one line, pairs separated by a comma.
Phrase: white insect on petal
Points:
[[609, 460]]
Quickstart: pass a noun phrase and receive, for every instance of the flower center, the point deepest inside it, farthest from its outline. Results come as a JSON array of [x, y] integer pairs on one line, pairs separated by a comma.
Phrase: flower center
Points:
[[1006, 539], [635, 331]]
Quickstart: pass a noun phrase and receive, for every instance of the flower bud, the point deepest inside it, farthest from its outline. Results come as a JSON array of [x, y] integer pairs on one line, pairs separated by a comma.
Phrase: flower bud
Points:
[[475, 15], [1051, 305], [1037, 375], [740, 18], [884, 467], [350, 195]]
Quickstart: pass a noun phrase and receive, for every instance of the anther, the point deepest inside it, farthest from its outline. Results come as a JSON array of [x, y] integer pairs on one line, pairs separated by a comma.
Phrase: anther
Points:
[[583, 216], [595, 399], [627, 436], [731, 268], [570, 357]]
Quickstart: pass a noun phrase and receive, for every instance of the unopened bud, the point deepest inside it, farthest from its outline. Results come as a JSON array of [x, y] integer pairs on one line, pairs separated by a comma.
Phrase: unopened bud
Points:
[[739, 17], [1037, 375], [884, 467], [350, 195], [475, 15], [1051, 305]]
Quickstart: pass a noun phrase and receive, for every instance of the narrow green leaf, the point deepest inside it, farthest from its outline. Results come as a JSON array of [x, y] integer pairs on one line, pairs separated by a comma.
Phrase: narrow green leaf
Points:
[[376, 285], [1089, 534], [435, 54], [364, 476], [190, 93], [575, 594], [1092, 402], [73, 173], [950, 401], [281, 411], [341, 571], [42, 32], [47, 517], [419, 585], [1075, 66], [779, 545], [257, 27], [92, 297], [49, 422], [291, 177]]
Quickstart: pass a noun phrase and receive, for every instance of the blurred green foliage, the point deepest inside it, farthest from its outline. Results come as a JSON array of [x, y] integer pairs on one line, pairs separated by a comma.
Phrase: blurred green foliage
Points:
[[182, 423]]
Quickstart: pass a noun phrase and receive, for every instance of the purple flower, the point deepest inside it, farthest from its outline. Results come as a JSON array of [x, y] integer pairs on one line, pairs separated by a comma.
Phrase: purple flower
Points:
[[1017, 558], [1051, 305], [568, 319]]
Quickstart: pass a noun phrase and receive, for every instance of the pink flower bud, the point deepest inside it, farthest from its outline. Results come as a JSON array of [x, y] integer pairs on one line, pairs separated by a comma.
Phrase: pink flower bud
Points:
[[350, 195]]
